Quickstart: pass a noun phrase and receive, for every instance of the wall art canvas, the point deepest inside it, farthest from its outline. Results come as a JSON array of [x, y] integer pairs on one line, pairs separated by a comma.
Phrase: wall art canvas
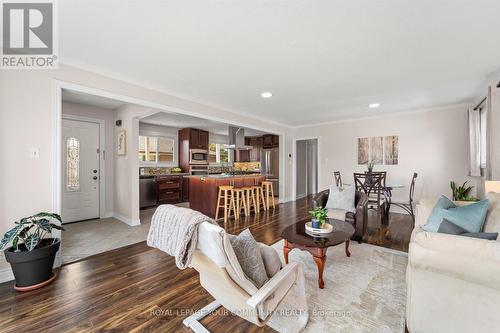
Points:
[[121, 143], [391, 150], [363, 150], [377, 150]]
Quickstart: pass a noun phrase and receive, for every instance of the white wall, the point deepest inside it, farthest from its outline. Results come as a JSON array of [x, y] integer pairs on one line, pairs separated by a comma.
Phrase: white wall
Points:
[[107, 116], [433, 144], [168, 132]]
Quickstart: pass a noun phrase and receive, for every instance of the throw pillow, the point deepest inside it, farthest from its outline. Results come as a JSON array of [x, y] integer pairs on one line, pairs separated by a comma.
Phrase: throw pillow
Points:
[[448, 227], [247, 251], [342, 198], [470, 217], [272, 261]]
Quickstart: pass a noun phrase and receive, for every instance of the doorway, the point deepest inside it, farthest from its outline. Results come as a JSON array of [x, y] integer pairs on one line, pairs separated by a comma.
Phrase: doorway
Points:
[[307, 167], [80, 170]]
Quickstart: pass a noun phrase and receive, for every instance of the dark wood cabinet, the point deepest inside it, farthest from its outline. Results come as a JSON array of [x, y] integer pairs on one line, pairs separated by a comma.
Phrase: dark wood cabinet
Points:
[[198, 139], [203, 139], [256, 143], [169, 189], [270, 141], [191, 138]]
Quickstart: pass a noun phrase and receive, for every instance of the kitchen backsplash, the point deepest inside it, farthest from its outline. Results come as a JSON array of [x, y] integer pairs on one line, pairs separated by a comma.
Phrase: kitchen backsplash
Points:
[[246, 166], [155, 170]]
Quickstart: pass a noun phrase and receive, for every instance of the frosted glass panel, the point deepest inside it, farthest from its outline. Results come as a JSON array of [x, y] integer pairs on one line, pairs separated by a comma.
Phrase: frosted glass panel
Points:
[[72, 164]]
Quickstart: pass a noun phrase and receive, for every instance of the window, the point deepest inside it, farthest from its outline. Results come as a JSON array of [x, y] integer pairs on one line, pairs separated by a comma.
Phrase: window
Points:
[[218, 154], [483, 136], [72, 165], [156, 149]]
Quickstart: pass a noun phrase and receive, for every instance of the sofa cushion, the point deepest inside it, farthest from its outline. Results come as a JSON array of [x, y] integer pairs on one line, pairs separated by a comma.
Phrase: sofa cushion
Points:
[[470, 217], [448, 227], [342, 198], [248, 253], [337, 214], [492, 223]]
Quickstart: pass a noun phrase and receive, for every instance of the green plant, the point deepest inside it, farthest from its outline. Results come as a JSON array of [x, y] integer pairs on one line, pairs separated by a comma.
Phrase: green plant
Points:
[[319, 214], [31, 231], [462, 192], [370, 166]]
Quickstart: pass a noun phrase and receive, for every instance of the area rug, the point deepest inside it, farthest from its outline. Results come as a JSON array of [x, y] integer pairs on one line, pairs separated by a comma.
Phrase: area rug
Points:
[[363, 293]]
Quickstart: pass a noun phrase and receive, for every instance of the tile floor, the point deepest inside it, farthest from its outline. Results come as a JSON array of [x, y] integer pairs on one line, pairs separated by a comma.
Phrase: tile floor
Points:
[[84, 239]]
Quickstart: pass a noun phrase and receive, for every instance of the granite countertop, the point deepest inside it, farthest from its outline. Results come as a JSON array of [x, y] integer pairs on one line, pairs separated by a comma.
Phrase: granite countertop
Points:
[[166, 174], [225, 176]]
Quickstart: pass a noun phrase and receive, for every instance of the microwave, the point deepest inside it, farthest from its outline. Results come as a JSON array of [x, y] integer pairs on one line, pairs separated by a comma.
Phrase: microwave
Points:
[[198, 156]]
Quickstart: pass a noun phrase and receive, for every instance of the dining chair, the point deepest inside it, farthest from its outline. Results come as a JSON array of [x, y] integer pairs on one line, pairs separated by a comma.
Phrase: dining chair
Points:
[[408, 206], [373, 185], [338, 178]]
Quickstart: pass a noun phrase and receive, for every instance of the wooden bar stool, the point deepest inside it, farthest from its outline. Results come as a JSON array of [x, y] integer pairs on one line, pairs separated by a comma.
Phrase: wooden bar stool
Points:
[[268, 192], [250, 196], [225, 200], [259, 198], [240, 201]]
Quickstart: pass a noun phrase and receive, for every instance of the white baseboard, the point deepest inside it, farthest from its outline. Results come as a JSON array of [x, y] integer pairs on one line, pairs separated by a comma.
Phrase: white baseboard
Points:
[[126, 220], [6, 275], [107, 215]]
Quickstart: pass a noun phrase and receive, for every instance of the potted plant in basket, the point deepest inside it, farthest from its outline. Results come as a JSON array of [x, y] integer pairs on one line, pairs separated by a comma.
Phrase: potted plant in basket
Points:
[[319, 216], [31, 255]]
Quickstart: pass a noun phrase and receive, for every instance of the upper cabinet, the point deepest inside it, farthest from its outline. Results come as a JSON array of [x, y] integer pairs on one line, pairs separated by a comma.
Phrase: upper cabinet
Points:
[[198, 139], [270, 141], [256, 143]]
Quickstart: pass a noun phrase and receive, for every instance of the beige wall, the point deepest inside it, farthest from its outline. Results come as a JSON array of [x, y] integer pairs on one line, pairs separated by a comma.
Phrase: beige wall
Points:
[[433, 144], [107, 116], [27, 121]]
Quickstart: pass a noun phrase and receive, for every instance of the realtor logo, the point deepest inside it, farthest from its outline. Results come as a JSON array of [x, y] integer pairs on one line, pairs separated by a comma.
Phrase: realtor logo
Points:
[[28, 35]]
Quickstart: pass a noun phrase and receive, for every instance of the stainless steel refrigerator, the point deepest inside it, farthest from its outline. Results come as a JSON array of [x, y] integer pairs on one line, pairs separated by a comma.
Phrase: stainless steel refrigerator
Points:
[[270, 167]]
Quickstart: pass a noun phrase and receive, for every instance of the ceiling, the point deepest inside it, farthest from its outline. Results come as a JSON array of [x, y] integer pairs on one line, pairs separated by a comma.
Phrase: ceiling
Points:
[[182, 121], [92, 100], [322, 60]]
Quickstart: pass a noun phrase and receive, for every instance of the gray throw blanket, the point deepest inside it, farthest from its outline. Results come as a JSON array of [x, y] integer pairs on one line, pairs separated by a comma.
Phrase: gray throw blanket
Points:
[[174, 230]]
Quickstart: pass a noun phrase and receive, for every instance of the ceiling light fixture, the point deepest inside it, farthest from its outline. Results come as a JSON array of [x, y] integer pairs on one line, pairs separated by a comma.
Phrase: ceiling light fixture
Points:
[[266, 94], [374, 105]]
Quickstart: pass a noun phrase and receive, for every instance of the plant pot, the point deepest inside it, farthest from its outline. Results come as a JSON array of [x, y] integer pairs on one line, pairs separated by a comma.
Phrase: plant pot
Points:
[[32, 268], [316, 224]]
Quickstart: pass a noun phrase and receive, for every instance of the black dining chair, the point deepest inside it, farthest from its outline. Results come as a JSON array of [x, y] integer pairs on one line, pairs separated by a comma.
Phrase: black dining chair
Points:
[[373, 185], [338, 178], [409, 206]]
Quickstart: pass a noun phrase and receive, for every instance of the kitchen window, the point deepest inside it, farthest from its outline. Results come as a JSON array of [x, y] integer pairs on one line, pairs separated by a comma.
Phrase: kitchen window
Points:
[[218, 154], [156, 149]]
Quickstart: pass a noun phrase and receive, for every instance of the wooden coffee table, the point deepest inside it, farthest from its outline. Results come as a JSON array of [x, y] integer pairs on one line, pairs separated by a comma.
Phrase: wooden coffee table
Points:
[[296, 237]]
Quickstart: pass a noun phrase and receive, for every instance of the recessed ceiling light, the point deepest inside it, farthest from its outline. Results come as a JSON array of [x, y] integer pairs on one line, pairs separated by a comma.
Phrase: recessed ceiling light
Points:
[[266, 94], [374, 105]]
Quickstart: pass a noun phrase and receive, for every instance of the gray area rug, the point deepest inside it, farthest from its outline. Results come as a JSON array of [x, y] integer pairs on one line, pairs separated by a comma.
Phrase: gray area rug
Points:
[[363, 293]]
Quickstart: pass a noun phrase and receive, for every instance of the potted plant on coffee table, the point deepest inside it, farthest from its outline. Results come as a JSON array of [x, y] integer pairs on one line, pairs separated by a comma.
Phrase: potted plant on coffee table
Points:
[[319, 216], [31, 255]]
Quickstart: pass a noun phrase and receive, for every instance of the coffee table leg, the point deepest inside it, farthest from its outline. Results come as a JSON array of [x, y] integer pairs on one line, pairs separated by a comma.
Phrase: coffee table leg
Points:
[[320, 262], [285, 253], [347, 253]]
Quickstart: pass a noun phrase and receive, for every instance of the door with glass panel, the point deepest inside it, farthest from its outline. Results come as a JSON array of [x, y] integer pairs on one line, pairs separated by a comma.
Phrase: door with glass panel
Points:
[[80, 170]]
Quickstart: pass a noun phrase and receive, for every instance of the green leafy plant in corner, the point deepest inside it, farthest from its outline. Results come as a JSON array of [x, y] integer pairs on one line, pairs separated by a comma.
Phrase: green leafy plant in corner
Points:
[[462, 192], [370, 167], [319, 214], [30, 231]]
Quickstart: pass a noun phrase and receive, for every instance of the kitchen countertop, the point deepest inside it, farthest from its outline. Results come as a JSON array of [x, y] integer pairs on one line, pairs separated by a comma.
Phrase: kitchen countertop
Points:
[[165, 174], [224, 176]]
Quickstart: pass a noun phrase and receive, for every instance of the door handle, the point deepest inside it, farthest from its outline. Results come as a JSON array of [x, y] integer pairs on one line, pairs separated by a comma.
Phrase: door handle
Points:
[[94, 178]]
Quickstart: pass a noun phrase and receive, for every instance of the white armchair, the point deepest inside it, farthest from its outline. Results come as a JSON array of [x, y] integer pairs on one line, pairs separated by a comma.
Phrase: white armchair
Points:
[[222, 276], [453, 282]]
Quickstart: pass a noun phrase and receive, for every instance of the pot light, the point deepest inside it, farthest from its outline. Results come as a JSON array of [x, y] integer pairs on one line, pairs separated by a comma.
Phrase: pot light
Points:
[[266, 94], [374, 105]]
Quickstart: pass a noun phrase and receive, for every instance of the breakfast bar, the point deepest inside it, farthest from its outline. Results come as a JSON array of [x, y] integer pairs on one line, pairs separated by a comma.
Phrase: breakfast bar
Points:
[[203, 189]]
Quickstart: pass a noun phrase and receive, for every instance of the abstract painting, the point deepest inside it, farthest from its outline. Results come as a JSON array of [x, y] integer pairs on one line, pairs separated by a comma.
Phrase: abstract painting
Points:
[[363, 150], [391, 149], [377, 150]]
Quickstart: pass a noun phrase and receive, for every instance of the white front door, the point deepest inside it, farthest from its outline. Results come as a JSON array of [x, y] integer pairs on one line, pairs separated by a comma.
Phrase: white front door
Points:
[[80, 170]]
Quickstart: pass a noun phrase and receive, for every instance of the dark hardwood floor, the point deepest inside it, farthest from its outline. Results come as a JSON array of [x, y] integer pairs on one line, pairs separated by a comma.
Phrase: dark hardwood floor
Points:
[[139, 289]]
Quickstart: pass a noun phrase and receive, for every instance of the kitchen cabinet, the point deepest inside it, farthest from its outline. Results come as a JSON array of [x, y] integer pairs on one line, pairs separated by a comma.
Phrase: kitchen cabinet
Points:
[[256, 143], [169, 189], [203, 139], [270, 141], [198, 139]]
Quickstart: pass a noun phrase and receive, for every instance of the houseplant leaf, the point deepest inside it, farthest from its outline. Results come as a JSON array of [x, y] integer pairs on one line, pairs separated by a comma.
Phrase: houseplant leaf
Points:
[[9, 236], [31, 242], [44, 224]]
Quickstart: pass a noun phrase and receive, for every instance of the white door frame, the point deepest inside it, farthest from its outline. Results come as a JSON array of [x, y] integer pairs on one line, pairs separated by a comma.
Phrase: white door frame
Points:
[[294, 148], [59, 85], [102, 157]]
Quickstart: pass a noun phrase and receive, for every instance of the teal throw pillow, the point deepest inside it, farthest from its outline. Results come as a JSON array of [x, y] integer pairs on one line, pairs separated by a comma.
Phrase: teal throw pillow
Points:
[[470, 217]]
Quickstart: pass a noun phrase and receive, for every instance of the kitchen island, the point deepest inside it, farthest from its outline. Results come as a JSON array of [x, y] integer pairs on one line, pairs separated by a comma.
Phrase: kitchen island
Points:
[[203, 190]]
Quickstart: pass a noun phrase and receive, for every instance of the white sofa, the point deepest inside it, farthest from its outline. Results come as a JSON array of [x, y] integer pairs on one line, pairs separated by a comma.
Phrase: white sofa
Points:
[[453, 282]]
